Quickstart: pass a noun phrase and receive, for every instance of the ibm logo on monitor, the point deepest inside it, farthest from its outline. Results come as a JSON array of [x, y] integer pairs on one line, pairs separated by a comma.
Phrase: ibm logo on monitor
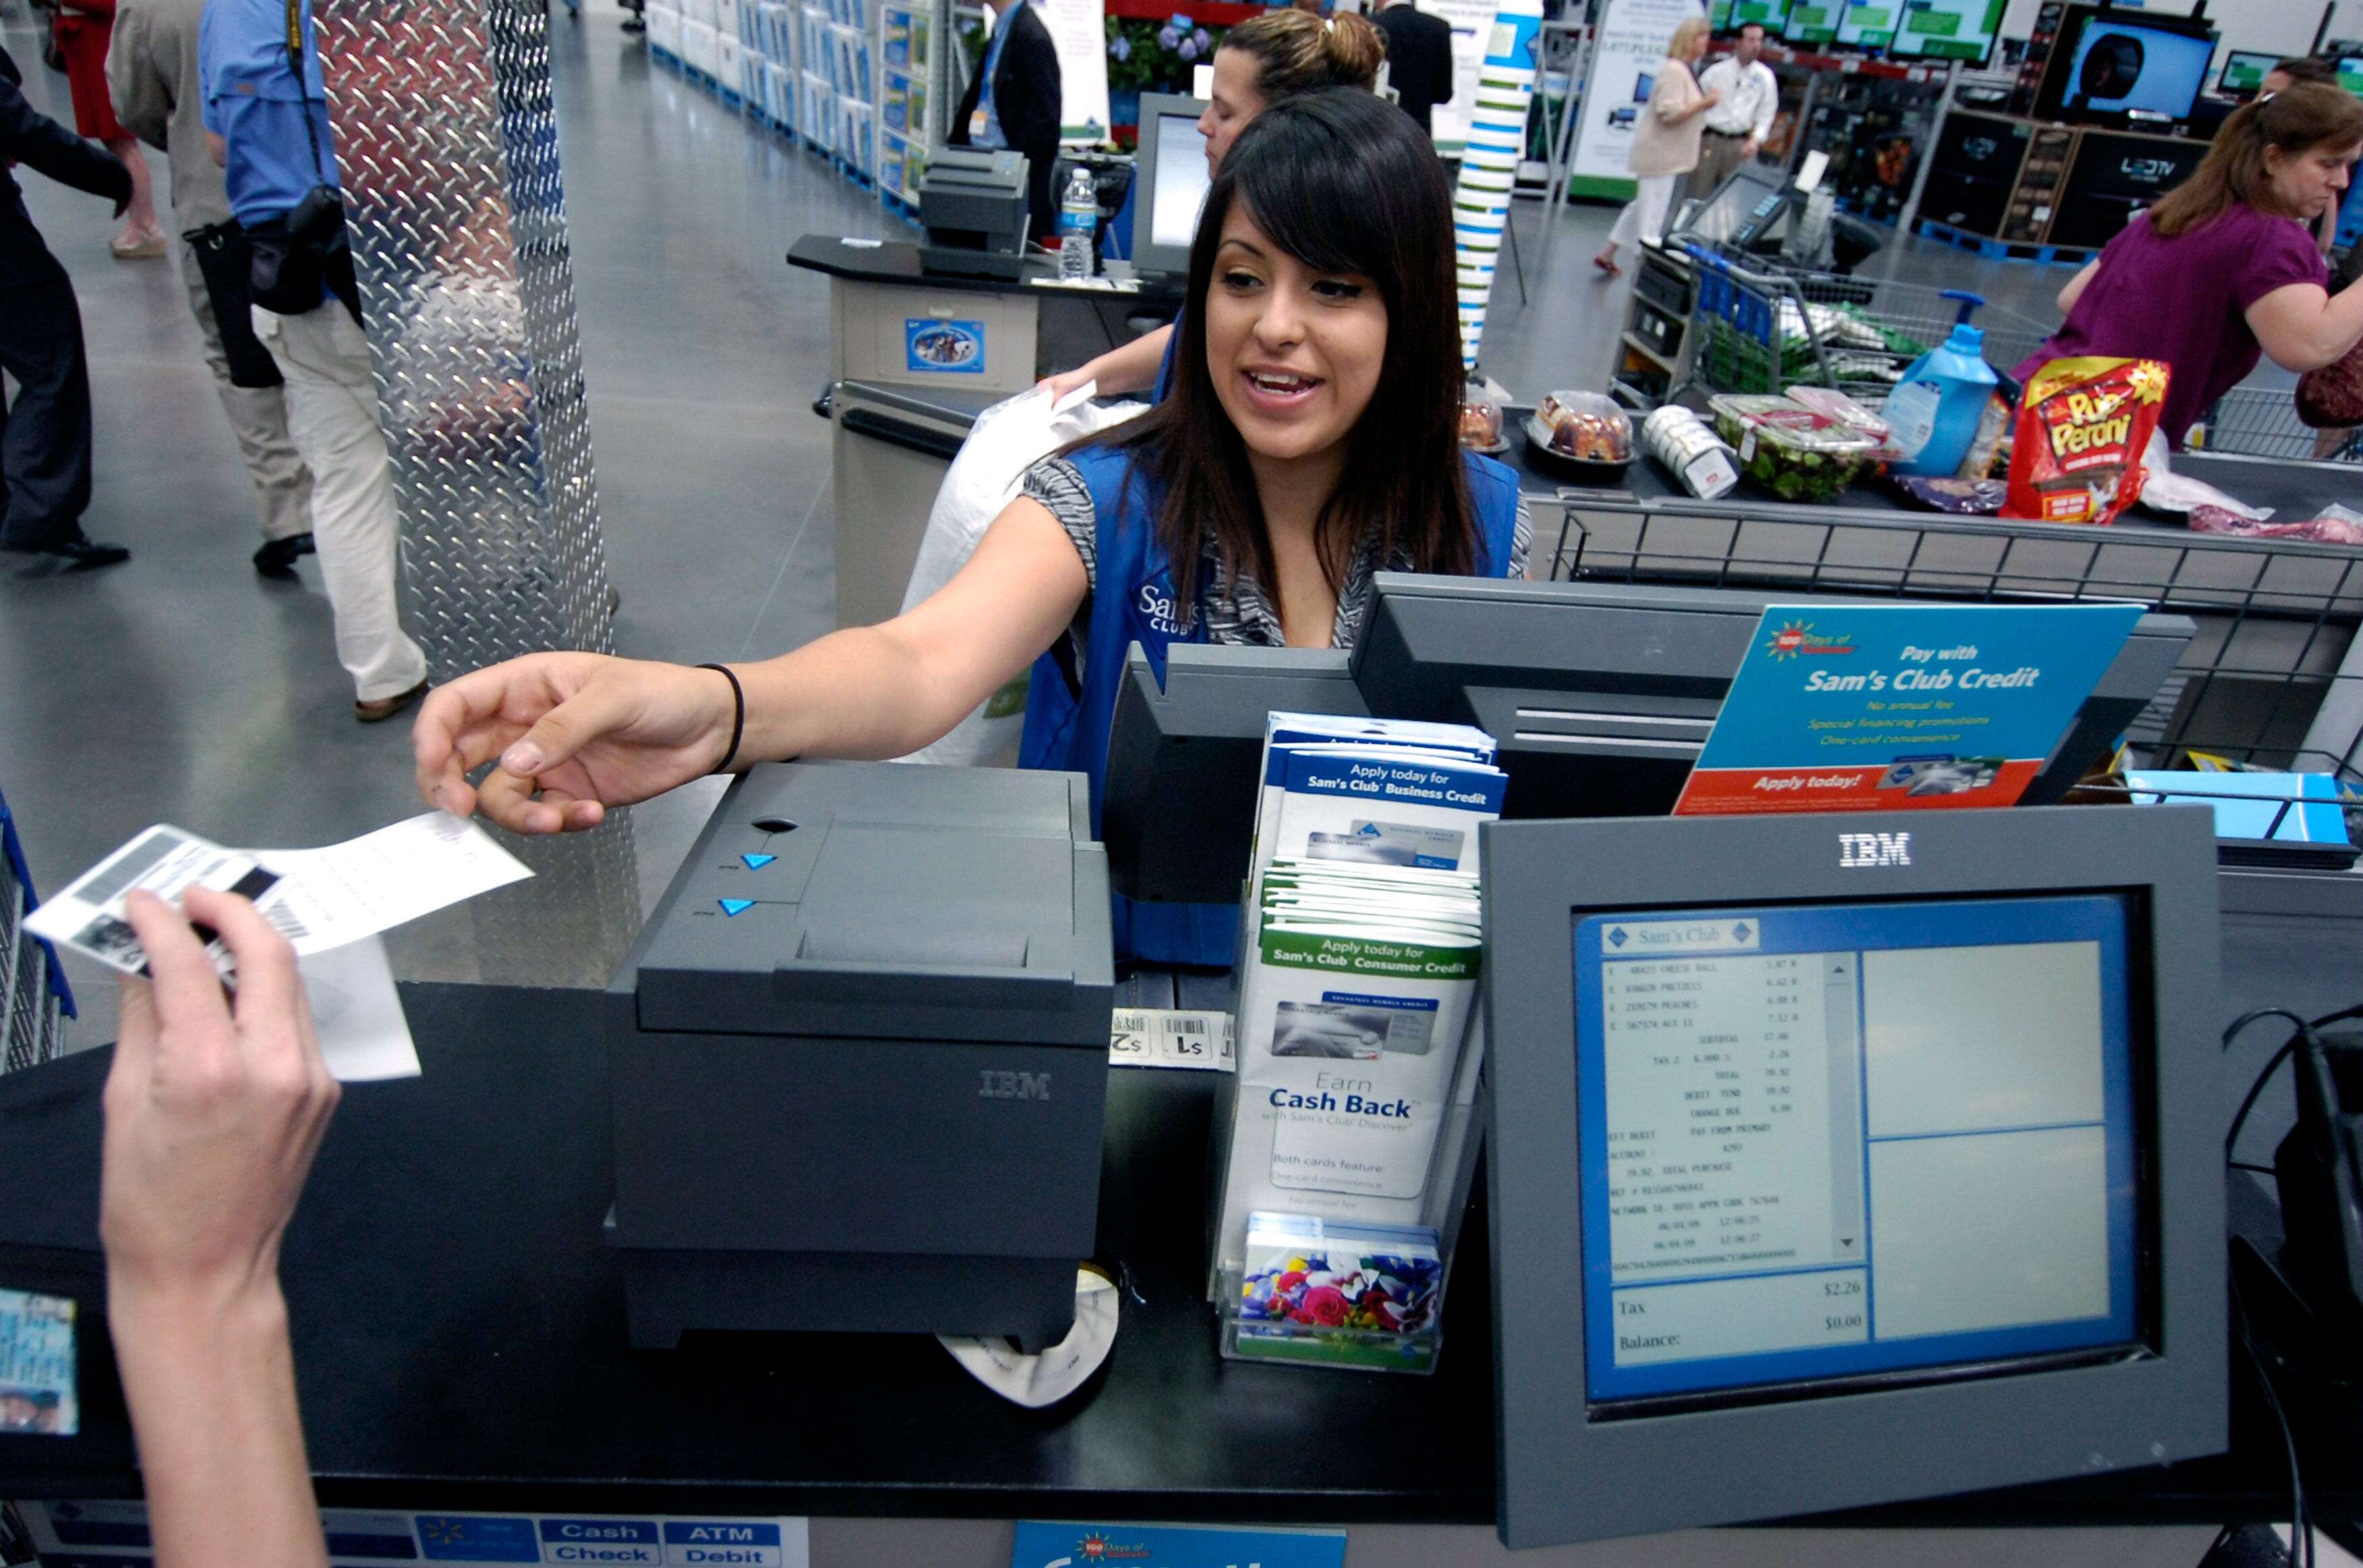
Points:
[[998, 1085], [1874, 849]]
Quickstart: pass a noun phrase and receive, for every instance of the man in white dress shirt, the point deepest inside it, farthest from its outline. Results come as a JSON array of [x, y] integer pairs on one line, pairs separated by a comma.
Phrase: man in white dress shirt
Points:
[[1735, 126]]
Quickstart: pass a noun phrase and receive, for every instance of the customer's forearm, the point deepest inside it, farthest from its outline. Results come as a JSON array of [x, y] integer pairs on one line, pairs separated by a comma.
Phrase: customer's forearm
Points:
[[1133, 366], [211, 1386]]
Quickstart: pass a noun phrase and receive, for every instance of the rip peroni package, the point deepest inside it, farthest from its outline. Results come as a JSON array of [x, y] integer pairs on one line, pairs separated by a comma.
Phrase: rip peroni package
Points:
[[2082, 427]]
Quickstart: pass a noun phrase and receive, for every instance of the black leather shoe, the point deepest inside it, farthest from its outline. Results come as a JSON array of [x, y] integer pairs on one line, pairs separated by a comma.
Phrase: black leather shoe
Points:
[[276, 557], [79, 553]]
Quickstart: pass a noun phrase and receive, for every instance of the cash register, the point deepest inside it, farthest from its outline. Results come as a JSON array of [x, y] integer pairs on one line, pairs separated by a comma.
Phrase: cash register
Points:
[[859, 1060]]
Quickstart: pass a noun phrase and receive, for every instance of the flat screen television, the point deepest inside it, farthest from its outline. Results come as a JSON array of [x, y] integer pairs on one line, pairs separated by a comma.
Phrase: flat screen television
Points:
[[2110, 69], [1947, 29], [1724, 15], [1866, 24], [1813, 22], [2244, 71]]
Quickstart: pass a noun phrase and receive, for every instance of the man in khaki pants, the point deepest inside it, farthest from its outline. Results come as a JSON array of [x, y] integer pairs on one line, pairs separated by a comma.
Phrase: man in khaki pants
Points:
[[268, 120], [151, 74]]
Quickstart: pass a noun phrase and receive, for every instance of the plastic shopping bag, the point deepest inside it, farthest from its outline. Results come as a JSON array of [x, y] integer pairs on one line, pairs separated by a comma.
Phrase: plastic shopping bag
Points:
[[1008, 438]]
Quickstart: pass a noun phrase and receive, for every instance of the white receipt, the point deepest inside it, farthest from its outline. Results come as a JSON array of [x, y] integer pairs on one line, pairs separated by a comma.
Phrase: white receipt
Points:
[[357, 1014], [389, 877]]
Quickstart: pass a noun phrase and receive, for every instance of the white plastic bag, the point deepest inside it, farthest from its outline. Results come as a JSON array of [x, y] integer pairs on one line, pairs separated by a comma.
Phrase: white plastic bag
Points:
[[1008, 438]]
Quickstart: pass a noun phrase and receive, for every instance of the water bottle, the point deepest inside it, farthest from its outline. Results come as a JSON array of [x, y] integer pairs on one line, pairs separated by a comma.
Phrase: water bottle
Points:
[[1078, 218]]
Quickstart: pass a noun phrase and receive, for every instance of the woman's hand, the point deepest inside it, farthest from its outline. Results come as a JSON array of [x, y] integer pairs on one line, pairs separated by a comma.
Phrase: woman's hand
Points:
[[214, 1111], [1059, 386], [583, 732]]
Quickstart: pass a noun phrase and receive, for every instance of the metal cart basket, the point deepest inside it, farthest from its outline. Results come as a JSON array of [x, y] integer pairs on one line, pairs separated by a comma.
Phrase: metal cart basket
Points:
[[1762, 326], [2261, 421]]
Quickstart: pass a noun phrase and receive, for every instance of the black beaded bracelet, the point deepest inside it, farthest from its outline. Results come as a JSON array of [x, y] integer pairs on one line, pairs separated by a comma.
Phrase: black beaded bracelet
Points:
[[738, 718]]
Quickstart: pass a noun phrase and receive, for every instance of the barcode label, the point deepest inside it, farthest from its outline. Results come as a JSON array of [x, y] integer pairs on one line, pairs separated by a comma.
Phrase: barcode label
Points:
[[284, 920], [1155, 1037], [118, 874]]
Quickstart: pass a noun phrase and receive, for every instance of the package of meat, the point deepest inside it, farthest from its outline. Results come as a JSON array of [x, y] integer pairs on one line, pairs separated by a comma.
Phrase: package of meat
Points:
[[2337, 525], [2082, 430]]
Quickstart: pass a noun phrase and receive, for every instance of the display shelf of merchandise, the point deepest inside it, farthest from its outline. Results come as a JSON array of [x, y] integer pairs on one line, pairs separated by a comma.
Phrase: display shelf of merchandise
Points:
[[850, 80], [33, 996]]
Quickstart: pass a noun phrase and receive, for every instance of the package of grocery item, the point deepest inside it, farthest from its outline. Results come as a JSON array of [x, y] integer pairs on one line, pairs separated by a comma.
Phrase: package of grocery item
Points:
[[2082, 430], [1690, 452], [1836, 405], [1788, 449]]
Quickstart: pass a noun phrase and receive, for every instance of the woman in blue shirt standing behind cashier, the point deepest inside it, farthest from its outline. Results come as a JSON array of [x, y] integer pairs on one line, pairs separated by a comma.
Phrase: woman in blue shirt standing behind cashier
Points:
[[1312, 440]]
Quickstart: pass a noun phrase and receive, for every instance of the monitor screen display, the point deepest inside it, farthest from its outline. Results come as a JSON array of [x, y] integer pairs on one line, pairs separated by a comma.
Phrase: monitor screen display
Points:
[[1179, 183], [1867, 25], [2245, 72], [1812, 21], [1724, 15], [2350, 73], [2121, 67], [1947, 29], [1828, 1141]]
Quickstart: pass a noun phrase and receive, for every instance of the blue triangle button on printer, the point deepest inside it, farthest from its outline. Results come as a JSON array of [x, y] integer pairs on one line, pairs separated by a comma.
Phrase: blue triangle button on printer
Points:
[[737, 906], [757, 862]]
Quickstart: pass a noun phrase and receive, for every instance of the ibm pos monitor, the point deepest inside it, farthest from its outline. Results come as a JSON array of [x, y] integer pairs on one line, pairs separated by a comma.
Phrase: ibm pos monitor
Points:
[[1837, 1161], [1169, 181]]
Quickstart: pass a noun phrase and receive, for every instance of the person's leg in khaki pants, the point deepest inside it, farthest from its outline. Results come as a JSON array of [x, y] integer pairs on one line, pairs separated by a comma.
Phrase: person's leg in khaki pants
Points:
[[332, 415], [258, 416]]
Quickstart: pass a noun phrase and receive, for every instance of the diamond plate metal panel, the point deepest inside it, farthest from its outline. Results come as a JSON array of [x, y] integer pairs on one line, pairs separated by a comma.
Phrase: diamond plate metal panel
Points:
[[447, 148]]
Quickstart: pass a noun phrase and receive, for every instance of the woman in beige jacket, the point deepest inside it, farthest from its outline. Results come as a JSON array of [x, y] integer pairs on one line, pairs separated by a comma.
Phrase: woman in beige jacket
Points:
[[1665, 142]]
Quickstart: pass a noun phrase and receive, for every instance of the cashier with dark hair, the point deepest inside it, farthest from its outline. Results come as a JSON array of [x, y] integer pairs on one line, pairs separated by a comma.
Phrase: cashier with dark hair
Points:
[[1012, 103], [1311, 440]]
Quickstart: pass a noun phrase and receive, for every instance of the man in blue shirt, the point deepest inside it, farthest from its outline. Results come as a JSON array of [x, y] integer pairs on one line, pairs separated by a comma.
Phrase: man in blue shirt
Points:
[[270, 126]]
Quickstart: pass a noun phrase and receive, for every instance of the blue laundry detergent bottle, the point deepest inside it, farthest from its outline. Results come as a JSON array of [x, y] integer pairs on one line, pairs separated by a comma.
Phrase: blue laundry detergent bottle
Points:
[[1935, 409]]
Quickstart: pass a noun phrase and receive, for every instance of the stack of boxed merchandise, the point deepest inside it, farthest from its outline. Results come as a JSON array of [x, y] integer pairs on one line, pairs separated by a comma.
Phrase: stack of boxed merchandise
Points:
[[664, 30], [1354, 1103], [775, 36], [698, 50], [817, 90], [902, 125]]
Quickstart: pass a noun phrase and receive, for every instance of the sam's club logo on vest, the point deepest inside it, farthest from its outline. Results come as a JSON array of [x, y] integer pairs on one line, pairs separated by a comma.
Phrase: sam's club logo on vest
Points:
[[1157, 606]]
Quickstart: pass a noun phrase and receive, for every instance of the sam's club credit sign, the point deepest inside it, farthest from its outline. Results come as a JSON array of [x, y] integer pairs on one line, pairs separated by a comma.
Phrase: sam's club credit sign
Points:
[[1043, 1545], [1873, 707]]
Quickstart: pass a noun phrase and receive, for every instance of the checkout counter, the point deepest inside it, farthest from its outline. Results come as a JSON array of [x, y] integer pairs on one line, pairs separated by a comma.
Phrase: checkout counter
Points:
[[916, 357]]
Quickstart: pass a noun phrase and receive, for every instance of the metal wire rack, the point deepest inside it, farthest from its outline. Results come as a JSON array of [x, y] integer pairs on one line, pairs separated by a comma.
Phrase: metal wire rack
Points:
[[2267, 681], [1762, 325], [33, 999], [2261, 421]]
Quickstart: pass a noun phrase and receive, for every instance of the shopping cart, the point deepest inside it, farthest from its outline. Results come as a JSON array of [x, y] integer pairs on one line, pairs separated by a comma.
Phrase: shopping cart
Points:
[[2261, 421], [1762, 325]]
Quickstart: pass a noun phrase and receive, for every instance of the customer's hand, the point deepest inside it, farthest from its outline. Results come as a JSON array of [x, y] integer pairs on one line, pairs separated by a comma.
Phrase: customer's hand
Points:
[[214, 1111], [575, 734], [1065, 381]]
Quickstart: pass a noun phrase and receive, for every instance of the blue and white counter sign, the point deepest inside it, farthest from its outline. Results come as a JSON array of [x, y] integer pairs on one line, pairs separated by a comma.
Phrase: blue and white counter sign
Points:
[[1865, 708], [115, 1535], [932, 346], [1041, 1545]]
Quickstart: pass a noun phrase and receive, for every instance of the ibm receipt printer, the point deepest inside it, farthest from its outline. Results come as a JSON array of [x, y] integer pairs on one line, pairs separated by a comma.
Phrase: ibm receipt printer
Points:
[[859, 1059]]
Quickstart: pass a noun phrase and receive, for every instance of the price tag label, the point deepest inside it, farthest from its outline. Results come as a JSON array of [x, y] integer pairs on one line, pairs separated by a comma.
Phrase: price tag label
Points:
[[1155, 1037]]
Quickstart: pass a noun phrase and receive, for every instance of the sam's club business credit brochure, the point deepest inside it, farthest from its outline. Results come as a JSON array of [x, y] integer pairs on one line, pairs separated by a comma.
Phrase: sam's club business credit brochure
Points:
[[1880, 707]]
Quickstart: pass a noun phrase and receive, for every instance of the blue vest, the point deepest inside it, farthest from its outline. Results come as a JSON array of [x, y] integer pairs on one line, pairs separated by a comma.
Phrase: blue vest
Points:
[[1134, 602]]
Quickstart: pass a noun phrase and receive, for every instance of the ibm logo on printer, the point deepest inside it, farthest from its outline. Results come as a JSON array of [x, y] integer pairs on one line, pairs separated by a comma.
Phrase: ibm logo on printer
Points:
[[997, 1085], [1874, 849]]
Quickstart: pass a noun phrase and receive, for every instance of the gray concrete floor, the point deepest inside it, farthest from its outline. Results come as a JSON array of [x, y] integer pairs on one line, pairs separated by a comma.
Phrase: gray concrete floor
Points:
[[183, 688]]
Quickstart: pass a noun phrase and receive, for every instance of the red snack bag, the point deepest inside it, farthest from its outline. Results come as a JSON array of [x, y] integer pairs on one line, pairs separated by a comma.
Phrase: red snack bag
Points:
[[2082, 428]]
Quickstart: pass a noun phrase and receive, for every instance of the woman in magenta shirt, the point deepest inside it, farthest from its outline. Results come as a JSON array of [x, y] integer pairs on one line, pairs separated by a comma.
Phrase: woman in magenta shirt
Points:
[[2224, 268]]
